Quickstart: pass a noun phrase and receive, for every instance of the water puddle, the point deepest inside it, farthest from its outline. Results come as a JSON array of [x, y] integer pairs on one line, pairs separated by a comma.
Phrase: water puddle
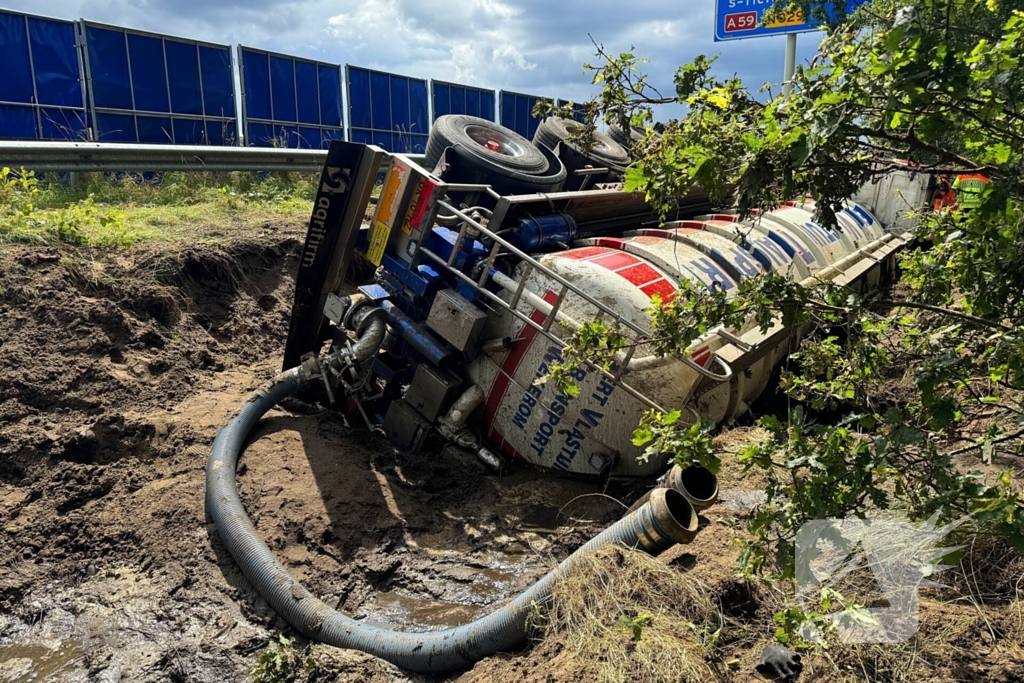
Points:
[[31, 663], [542, 518], [452, 593], [392, 608]]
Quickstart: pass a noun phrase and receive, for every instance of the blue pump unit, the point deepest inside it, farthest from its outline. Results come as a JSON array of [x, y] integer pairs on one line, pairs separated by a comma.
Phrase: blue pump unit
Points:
[[543, 233]]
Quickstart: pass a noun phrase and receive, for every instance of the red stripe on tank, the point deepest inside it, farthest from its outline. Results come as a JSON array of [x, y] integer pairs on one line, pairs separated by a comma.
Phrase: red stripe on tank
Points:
[[701, 356], [616, 260], [661, 287], [509, 366], [583, 253], [640, 274]]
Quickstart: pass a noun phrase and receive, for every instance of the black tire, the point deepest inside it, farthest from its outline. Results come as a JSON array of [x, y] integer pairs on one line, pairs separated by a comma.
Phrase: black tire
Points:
[[605, 151], [635, 135], [508, 150]]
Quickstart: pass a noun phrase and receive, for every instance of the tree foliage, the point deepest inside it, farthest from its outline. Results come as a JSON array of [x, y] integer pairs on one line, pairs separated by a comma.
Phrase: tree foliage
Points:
[[931, 85]]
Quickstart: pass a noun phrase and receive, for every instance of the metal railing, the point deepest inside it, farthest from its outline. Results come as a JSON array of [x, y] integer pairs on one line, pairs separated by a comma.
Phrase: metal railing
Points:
[[110, 156], [115, 156]]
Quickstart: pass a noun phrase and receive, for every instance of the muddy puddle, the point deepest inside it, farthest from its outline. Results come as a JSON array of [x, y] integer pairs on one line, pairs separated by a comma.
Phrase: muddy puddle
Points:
[[468, 589], [27, 663]]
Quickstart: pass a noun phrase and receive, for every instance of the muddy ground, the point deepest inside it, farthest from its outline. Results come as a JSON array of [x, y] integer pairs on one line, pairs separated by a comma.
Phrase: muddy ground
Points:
[[116, 372], [115, 375]]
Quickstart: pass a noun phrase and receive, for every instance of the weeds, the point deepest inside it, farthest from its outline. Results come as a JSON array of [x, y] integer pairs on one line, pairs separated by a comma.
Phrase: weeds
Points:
[[79, 223], [280, 662], [118, 211], [630, 618]]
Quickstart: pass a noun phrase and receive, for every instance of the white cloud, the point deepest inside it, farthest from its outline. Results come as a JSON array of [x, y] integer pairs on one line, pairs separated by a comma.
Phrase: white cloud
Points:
[[474, 47], [382, 22]]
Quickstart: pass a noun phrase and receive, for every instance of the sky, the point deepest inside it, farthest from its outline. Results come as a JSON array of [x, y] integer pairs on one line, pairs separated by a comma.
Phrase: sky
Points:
[[536, 47]]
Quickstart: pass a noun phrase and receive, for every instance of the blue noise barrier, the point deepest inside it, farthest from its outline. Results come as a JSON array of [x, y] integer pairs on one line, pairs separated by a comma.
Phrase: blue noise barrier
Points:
[[41, 94], [289, 101], [516, 112], [387, 110], [579, 112], [452, 98], [150, 88]]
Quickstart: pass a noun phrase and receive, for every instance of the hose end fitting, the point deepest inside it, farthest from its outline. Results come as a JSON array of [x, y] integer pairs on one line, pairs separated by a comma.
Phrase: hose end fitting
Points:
[[672, 519], [697, 484]]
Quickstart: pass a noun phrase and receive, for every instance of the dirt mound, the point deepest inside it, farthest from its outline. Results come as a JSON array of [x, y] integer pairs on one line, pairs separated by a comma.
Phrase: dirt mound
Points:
[[84, 339]]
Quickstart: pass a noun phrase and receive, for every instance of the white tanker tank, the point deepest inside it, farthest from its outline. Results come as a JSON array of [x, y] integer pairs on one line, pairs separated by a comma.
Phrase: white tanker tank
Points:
[[481, 290], [726, 370]]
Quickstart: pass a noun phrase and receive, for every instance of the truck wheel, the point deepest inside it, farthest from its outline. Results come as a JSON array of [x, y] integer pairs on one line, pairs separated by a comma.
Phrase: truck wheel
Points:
[[485, 144], [605, 152], [635, 135]]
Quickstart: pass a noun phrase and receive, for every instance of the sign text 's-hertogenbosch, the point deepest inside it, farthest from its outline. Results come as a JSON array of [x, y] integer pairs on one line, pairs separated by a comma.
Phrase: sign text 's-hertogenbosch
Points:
[[735, 19]]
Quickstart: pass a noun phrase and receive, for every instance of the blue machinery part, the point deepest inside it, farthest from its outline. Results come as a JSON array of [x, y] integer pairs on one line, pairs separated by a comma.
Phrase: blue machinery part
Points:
[[418, 337], [553, 231]]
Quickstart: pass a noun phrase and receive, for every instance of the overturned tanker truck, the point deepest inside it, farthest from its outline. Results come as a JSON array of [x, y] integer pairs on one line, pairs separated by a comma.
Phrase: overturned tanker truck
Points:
[[487, 254]]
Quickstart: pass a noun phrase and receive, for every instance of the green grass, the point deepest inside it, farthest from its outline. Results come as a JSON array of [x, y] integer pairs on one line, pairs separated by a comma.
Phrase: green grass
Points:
[[108, 211]]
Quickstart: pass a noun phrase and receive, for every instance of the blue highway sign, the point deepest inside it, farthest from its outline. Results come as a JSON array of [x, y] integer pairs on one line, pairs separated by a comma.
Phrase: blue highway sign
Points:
[[736, 19]]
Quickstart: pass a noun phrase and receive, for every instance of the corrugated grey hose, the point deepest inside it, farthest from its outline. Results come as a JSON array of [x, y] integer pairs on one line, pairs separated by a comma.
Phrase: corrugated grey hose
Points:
[[660, 523]]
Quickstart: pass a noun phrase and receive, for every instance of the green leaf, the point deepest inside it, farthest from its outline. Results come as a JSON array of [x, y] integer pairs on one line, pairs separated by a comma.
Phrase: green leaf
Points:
[[642, 435], [635, 178], [719, 98]]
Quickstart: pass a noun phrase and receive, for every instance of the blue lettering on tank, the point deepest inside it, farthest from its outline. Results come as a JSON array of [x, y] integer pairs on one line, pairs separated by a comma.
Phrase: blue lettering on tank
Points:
[[705, 266], [744, 264], [807, 256], [827, 235], [832, 235], [761, 255], [786, 246], [812, 234], [854, 216], [864, 214], [769, 254], [689, 274]]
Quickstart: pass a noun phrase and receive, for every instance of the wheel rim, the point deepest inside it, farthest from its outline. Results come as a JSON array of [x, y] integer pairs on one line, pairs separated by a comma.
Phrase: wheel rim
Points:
[[494, 141]]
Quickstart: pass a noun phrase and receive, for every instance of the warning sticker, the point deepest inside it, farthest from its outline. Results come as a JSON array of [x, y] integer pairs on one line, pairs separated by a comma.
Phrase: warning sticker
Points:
[[387, 208], [378, 242]]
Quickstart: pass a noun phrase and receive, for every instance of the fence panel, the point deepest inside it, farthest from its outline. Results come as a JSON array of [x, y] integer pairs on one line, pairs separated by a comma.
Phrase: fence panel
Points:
[[41, 93], [452, 98], [289, 101], [516, 112], [151, 88], [579, 112], [387, 110]]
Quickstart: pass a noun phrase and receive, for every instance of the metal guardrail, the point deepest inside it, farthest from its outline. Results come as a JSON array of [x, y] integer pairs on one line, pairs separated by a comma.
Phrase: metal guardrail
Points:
[[115, 156], [109, 156]]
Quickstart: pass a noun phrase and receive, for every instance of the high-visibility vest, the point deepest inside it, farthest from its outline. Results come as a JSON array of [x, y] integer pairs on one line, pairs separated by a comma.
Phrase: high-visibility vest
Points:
[[968, 190], [944, 199]]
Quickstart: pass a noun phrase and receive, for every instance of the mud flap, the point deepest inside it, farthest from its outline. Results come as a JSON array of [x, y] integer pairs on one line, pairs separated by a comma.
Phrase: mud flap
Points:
[[345, 185]]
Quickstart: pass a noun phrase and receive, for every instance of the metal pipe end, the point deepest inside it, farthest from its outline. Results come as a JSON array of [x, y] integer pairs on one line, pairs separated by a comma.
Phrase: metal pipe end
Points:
[[674, 517], [697, 484]]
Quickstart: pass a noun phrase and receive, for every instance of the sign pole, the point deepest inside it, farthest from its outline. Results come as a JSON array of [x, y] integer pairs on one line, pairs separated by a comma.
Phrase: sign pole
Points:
[[789, 68]]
